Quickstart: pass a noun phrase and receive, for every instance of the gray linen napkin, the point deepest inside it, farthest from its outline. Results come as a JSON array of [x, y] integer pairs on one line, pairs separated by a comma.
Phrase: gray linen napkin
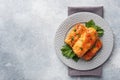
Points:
[[97, 71]]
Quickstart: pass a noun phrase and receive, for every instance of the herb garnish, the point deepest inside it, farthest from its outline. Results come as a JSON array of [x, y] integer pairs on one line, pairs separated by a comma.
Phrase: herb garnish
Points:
[[81, 48], [92, 24], [68, 52]]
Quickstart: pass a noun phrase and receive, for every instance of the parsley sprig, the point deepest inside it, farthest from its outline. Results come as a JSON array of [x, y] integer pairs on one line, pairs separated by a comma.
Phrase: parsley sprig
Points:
[[99, 30], [68, 52]]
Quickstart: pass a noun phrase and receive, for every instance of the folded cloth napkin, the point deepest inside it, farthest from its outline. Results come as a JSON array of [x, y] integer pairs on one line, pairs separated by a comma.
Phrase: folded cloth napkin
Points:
[[97, 71]]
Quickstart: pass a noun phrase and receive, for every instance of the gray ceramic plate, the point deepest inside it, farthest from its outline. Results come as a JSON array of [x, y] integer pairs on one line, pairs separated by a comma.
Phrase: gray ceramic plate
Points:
[[101, 56]]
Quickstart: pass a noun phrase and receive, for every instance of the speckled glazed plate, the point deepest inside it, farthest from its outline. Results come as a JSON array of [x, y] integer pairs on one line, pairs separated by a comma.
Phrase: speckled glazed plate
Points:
[[101, 56]]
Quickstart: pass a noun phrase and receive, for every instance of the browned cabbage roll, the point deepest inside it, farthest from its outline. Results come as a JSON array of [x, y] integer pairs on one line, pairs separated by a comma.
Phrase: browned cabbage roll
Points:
[[92, 52], [74, 34], [85, 42]]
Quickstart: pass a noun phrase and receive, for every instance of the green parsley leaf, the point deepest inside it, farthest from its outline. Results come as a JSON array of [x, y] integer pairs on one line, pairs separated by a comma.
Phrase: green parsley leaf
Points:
[[74, 30], [72, 38], [81, 48], [68, 52], [92, 24]]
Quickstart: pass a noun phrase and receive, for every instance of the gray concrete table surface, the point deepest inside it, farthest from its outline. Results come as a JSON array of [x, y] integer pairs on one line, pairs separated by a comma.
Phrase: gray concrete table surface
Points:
[[27, 30]]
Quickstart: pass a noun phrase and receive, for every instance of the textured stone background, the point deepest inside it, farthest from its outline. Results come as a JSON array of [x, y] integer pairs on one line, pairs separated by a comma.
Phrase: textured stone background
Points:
[[27, 30]]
